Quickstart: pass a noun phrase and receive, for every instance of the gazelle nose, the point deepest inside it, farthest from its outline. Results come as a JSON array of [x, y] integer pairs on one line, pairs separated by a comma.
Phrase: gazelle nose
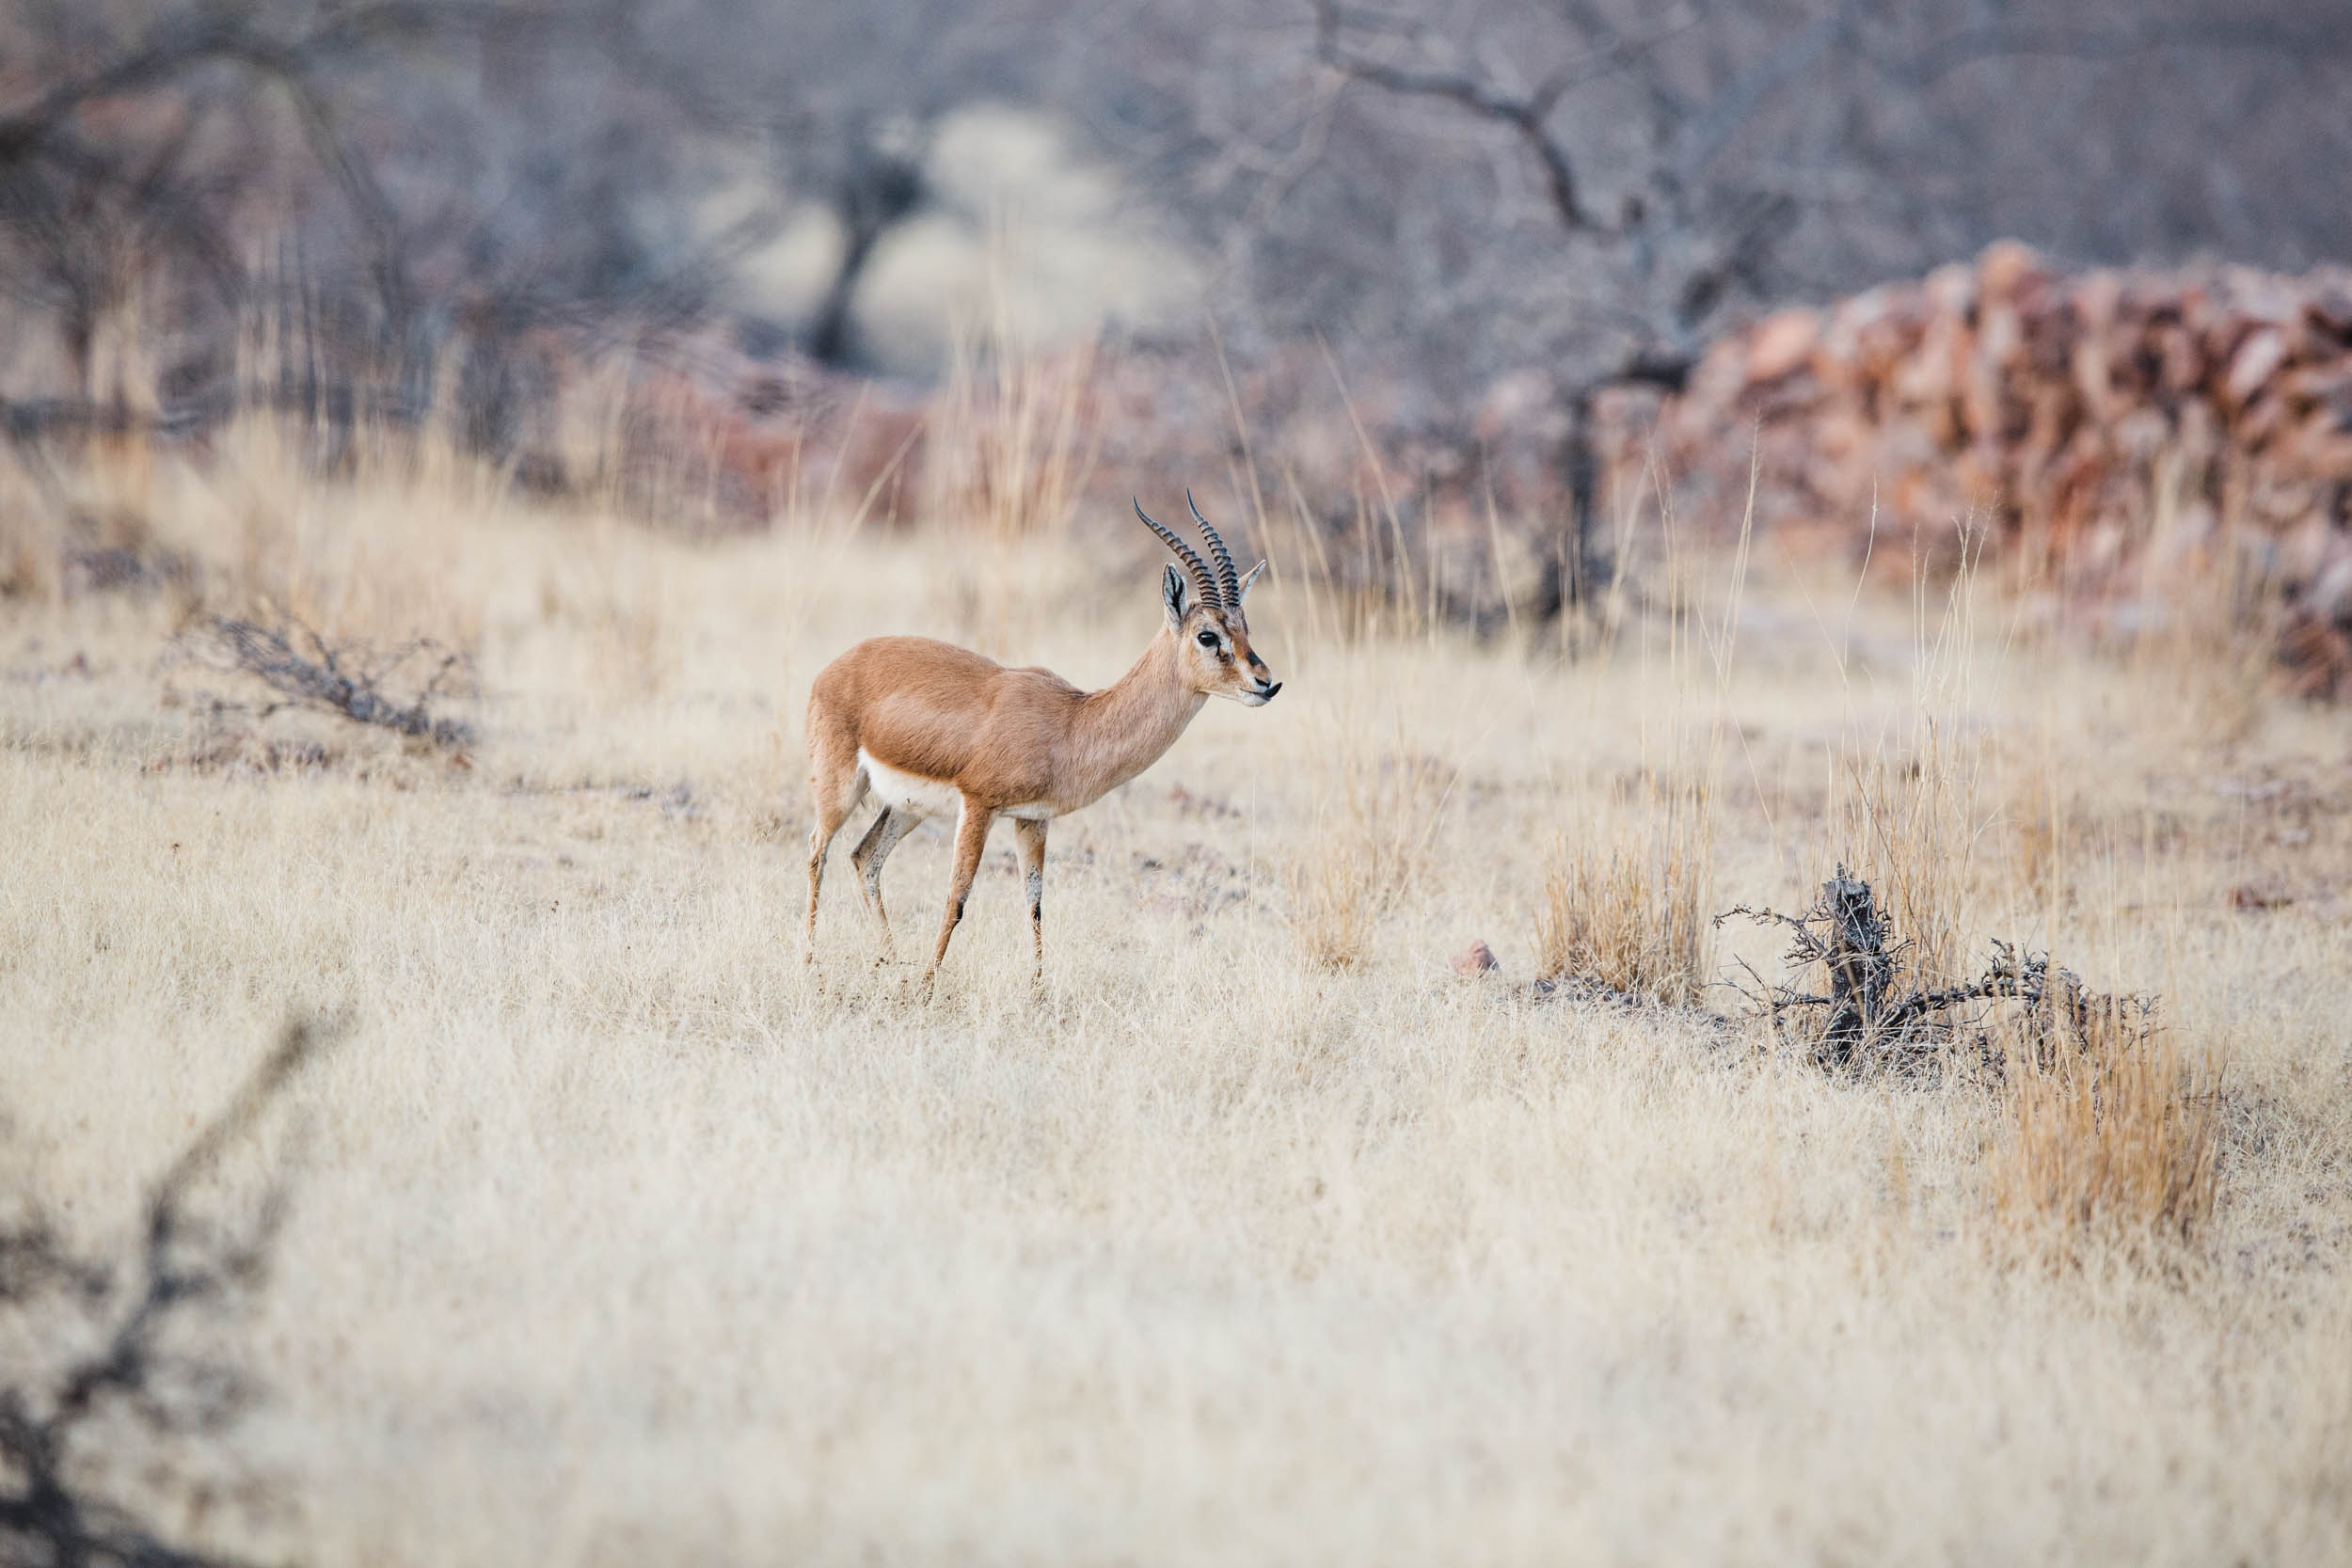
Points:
[[1268, 689]]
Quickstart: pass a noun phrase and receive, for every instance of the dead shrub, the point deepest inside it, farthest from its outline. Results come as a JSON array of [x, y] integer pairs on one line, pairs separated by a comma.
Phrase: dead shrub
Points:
[[1621, 904], [1854, 999], [2107, 1128]]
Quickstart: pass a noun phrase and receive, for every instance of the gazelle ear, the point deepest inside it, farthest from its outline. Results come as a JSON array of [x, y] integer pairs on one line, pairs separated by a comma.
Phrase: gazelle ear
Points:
[[1243, 596], [1172, 597]]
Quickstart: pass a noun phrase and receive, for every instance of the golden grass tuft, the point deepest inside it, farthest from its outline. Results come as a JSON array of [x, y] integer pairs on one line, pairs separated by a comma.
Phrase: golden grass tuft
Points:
[[2109, 1136], [1626, 905]]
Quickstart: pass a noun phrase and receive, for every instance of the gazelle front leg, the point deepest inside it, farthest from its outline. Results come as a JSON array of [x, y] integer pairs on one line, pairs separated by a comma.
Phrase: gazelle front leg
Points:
[[1028, 837], [971, 837]]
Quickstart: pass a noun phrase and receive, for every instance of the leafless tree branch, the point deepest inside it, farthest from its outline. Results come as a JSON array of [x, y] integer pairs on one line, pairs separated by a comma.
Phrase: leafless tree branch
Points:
[[1524, 114], [48, 1513], [2235, 35]]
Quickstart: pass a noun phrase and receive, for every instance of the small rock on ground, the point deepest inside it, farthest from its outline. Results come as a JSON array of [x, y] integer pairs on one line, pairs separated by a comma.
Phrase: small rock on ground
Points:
[[1475, 959]]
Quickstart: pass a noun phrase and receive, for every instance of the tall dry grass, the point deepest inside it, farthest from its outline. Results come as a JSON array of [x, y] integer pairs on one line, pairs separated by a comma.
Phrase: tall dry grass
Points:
[[2109, 1131], [1628, 901], [1368, 847], [1909, 790], [1013, 441]]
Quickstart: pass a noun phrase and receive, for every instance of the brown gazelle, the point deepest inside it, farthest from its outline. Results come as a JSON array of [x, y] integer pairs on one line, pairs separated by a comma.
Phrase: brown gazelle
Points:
[[932, 729]]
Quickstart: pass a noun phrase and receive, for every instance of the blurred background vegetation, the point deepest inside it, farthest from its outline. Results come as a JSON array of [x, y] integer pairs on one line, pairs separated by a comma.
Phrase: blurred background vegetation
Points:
[[1422, 279]]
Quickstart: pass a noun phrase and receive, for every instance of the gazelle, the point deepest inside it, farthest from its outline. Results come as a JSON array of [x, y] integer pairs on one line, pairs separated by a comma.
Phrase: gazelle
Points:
[[931, 729]]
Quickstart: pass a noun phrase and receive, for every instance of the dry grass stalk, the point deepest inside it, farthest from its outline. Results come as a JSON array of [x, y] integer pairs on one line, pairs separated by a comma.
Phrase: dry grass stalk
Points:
[[1368, 848], [2109, 1129], [1908, 827], [1011, 442], [2210, 609], [1909, 806], [1622, 904]]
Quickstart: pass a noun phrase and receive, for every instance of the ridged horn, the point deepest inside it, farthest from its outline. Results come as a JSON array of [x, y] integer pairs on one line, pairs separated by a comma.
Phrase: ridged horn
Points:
[[1229, 581], [1200, 578]]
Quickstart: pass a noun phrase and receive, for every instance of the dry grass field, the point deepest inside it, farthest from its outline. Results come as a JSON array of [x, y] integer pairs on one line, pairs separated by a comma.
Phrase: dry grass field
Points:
[[619, 1235]]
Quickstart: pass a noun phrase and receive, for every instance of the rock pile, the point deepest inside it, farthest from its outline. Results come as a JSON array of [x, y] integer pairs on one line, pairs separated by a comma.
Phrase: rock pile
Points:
[[2108, 428]]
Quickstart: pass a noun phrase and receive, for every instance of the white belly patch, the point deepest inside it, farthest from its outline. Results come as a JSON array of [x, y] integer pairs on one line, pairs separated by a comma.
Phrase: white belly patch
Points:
[[909, 792]]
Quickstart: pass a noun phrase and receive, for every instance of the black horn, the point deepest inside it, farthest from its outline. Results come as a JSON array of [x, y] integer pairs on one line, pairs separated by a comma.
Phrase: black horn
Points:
[[1184, 553], [1229, 581]]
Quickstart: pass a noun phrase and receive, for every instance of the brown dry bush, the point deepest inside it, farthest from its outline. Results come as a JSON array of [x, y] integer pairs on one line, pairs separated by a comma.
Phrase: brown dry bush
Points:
[[2108, 1131], [1623, 904]]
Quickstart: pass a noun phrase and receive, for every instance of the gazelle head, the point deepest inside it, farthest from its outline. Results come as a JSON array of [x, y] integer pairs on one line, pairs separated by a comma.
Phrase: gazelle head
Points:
[[1213, 649]]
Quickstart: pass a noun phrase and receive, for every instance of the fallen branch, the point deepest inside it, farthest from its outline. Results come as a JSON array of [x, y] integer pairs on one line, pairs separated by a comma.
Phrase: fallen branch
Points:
[[348, 677]]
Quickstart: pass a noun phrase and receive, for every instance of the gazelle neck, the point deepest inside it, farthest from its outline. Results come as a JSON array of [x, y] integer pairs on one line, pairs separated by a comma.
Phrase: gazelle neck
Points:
[[1123, 729]]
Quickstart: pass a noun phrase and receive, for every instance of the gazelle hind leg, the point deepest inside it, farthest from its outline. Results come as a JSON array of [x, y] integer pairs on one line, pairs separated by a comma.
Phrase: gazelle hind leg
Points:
[[836, 785], [1028, 837], [872, 850], [971, 837]]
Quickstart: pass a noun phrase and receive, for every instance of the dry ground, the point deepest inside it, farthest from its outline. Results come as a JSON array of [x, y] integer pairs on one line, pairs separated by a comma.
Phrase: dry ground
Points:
[[621, 1236]]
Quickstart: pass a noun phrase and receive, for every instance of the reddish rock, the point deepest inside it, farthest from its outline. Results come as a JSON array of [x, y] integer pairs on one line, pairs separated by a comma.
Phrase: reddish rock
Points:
[[2073, 421], [2256, 361], [1782, 343]]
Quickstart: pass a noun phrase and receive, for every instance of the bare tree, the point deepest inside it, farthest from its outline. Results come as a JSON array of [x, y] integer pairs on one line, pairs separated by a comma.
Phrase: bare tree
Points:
[[154, 136], [844, 101], [433, 182], [1729, 131]]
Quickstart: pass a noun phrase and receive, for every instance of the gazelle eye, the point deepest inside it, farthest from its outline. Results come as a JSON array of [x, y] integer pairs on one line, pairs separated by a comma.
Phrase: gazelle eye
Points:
[[1207, 640]]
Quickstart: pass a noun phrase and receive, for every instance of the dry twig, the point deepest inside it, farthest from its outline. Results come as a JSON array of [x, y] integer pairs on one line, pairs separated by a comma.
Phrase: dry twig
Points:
[[392, 689]]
